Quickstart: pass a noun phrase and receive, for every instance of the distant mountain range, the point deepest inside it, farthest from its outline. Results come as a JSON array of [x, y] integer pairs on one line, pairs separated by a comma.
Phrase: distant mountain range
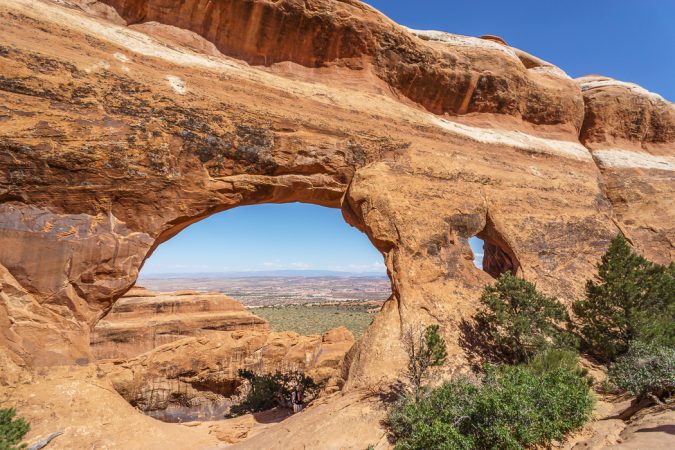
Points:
[[264, 273]]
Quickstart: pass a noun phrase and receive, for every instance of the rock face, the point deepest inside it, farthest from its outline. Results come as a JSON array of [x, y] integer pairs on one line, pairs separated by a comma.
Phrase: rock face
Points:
[[318, 33], [142, 320], [631, 136], [197, 378], [112, 141], [176, 356]]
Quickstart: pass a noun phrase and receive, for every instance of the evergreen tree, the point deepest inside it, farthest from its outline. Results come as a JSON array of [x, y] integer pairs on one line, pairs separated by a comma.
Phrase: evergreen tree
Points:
[[631, 298], [12, 429], [518, 321], [425, 349]]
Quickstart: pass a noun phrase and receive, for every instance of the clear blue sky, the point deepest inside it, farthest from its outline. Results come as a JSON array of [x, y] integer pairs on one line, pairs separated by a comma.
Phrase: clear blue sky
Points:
[[630, 40], [268, 237]]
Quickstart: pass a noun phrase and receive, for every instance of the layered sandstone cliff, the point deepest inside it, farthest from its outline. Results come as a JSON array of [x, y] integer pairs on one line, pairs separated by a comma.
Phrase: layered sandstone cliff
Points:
[[142, 320], [114, 140], [197, 378]]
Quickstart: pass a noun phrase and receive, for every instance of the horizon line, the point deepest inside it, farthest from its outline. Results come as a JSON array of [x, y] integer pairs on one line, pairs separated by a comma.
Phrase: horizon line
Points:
[[271, 271]]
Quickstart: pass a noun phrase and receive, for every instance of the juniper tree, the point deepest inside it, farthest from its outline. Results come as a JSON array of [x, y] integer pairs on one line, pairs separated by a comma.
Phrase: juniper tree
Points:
[[630, 298], [12, 429], [425, 349], [517, 321]]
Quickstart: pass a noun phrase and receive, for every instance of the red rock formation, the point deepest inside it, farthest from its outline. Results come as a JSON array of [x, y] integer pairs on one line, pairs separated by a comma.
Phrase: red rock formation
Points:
[[113, 141], [186, 136], [631, 133], [143, 320], [197, 377], [445, 73]]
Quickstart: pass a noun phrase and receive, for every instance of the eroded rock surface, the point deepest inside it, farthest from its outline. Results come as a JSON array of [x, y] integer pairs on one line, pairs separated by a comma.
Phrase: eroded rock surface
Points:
[[197, 378], [142, 320], [630, 133], [176, 356], [112, 141]]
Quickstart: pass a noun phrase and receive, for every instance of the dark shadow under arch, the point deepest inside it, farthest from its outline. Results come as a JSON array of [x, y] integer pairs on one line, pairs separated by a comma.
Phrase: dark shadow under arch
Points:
[[498, 257]]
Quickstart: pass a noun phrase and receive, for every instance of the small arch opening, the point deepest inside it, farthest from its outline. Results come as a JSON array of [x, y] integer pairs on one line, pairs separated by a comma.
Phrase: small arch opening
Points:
[[477, 248], [492, 253]]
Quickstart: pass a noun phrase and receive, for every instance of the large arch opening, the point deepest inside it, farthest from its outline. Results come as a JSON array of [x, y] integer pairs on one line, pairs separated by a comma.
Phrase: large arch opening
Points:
[[265, 287]]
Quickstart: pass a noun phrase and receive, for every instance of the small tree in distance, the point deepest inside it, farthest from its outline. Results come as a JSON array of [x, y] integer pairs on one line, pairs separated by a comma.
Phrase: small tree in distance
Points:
[[425, 349]]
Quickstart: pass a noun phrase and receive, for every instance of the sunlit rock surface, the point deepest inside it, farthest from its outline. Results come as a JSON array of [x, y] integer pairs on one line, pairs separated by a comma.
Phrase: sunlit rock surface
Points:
[[114, 140], [197, 378], [142, 320]]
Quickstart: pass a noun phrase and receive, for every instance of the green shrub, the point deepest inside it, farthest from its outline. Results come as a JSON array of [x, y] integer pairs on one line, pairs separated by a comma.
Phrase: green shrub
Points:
[[553, 359], [645, 370], [267, 391], [657, 325], [12, 429], [425, 349], [607, 387], [517, 321], [435, 421], [631, 298], [513, 408]]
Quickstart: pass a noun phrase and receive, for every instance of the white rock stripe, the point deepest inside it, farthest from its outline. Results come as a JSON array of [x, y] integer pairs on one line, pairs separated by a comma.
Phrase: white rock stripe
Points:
[[177, 84], [137, 42], [627, 159], [458, 40], [551, 70], [516, 139], [594, 84]]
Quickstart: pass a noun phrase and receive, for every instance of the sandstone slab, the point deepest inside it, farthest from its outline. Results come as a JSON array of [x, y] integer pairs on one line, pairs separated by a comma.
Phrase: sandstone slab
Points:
[[142, 320]]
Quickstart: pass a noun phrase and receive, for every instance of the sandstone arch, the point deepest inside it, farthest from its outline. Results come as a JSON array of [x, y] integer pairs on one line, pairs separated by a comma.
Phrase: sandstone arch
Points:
[[113, 141]]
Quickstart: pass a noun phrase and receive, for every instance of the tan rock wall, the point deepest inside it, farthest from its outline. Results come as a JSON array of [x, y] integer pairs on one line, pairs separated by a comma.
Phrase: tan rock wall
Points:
[[113, 141], [139, 323], [442, 76], [631, 134], [199, 375]]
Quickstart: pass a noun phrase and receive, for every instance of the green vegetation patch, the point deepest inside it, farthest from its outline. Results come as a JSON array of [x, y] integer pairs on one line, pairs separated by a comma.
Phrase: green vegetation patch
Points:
[[12, 429], [646, 370], [630, 299], [267, 391], [513, 407], [311, 319]]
